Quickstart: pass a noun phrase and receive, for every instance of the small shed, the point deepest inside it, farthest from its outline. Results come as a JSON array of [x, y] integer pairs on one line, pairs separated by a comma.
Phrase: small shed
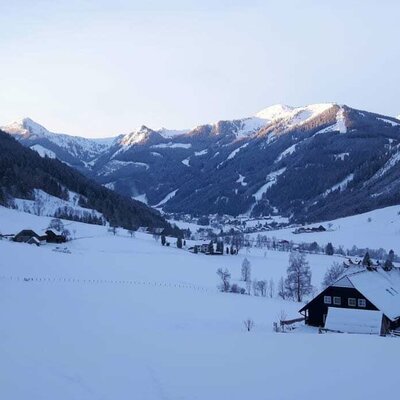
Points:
[[355, 321]]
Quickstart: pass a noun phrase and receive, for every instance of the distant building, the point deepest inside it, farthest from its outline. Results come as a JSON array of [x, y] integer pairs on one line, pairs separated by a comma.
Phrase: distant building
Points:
[[25, 235], [52, 237], [368, 299]]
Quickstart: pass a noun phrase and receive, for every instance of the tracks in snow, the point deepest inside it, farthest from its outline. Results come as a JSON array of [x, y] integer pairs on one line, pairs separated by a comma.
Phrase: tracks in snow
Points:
[[29, 279]]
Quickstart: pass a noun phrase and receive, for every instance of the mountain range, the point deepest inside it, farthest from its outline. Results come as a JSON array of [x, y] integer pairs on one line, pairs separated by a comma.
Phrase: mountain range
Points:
[[311, 163]]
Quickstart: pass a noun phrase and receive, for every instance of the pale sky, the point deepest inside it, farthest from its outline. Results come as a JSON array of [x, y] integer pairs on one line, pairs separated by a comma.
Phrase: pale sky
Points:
[[99, 68]]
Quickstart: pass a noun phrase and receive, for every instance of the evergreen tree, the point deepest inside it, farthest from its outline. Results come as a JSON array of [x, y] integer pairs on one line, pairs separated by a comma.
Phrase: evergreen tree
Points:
[[179, 243], [163, 240], [366, 262], [329, 249], [388, 265]]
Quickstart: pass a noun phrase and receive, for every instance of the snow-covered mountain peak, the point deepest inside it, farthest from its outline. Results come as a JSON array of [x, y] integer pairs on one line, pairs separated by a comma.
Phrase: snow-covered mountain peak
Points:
[[294, 114], [136, 136], [25, 127], [274, 112]]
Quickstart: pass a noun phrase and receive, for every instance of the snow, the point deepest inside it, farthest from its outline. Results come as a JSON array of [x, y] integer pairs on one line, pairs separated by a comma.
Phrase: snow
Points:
[[170, 133], [115, 165], [234, 152], [135, 137], [43, 152], [389, 121], [201, 153], [123, 318], [241, 180], [353, 321], [341, 185], [75, 145], [171, 145], [250, 125], [186, 162], [381, 288], [271, 180], [45, 204], [375, 229], [167, 198], [393, 160], [291, 116], [141, 197], [341, 156], [288, 151], [339, 125], [153, 153]]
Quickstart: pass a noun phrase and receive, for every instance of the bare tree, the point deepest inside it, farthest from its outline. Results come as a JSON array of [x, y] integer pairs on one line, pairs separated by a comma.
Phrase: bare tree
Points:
[[248, 287], [281, 289], [246, 270], [66, 234], [225, 278], [256, 290], [271, 288], [38, 206], [298, 281], [249, 324], [332, 274], [262, 287], [56, 224]]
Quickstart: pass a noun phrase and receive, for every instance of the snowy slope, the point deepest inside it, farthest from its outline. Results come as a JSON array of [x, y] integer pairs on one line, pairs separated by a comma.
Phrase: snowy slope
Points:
[[376, 229], [123, 318]]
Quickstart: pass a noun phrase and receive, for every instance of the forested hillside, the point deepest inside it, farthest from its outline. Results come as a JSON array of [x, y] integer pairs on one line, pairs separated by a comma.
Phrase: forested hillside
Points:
[[23, 170]]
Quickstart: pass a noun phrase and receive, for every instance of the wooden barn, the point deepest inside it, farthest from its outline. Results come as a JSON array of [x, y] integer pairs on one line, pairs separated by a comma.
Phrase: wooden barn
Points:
[[26, 235], [52, 237], [369, 301]]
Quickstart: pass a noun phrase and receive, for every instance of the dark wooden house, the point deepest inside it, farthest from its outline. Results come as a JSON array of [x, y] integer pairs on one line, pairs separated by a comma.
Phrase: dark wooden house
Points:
[[52, 237], [25, 235], [359, 289]]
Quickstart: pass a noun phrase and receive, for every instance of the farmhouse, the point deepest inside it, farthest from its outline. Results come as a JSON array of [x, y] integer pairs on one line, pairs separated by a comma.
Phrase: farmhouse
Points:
[[26, 235], [361, 301], [52, 237]]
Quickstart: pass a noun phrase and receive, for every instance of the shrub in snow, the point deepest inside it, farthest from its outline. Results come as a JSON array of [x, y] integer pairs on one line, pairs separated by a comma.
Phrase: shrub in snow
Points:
[[249, 324], [235, 288]]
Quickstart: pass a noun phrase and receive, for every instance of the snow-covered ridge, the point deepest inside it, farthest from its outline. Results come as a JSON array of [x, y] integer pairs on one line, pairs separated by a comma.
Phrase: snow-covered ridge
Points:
[[293, 115], [26, 128]]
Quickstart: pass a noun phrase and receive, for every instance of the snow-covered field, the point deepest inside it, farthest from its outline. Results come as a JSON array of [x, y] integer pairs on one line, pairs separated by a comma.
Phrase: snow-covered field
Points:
[[125, 318], [374, 229]]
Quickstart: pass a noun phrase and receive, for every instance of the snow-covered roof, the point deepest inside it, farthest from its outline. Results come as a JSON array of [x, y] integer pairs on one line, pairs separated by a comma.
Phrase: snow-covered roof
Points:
[[381, 288], [354, 320]]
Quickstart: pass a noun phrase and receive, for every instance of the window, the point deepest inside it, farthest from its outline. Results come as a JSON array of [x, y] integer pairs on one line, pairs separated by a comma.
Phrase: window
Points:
[[337, 301], [362, 303], [327, 299], [352, 302]]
